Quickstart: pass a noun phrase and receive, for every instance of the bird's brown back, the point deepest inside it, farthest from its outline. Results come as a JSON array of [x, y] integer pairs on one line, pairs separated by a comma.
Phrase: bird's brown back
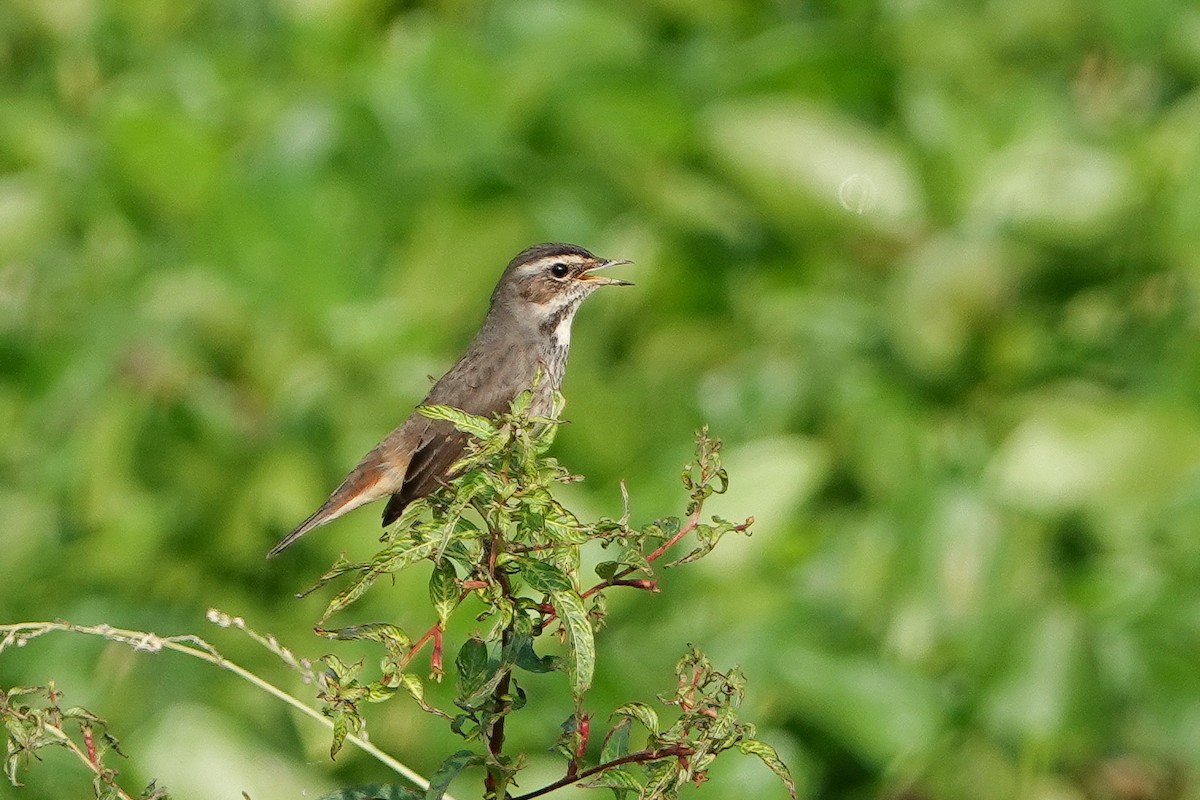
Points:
[[494, 370]]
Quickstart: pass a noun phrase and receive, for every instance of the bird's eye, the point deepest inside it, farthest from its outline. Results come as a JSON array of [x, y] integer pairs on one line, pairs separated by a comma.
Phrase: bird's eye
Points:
[[559, 270]]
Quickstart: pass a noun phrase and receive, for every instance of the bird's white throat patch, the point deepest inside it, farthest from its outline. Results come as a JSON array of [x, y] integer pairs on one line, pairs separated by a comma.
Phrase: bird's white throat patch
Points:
[[562, 331]]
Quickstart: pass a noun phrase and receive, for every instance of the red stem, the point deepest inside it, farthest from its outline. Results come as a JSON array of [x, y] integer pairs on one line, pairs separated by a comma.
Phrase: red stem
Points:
[[684, 531], [434, 633], [619, 578], [690, 526], [90, 742], [676, 751]]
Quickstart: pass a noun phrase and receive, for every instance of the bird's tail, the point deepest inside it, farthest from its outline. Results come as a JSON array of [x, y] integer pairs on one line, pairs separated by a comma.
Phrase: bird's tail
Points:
[[360, 487], [318, 518]]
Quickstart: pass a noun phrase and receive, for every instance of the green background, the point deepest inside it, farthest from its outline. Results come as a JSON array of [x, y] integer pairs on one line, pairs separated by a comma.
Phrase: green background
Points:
[[928, 268]]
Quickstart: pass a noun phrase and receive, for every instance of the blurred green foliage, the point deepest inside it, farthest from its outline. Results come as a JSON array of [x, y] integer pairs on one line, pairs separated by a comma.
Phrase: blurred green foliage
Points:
[[930, 269]]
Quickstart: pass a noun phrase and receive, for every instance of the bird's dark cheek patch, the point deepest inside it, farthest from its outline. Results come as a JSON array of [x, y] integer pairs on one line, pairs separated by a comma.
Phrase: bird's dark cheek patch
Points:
[[539, 291]]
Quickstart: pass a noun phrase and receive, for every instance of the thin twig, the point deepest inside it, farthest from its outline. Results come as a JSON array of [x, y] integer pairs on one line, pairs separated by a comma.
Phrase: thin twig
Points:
[[687, 528], [678, 751], [428, 636], [619, 578], [495, 740], [95, 767]]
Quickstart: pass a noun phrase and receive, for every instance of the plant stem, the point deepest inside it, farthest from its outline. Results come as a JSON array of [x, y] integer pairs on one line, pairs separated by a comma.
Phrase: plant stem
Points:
[[426, 637], [619, 578], [496, 735], [677, 751], [687, 528], [97, 770], [690, 526]]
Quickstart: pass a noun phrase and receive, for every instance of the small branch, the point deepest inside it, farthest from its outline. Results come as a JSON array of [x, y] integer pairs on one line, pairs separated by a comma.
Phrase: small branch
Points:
[[418, 645], [677, 751], [533, 548], [430, 635], [88, 759], [496, 735], [645, 584], [619, 579], [692, 522], [435, 658], [615, 580]]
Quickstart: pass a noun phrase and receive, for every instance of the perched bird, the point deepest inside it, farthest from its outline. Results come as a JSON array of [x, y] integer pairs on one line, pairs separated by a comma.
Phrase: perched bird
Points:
[[527, 329]]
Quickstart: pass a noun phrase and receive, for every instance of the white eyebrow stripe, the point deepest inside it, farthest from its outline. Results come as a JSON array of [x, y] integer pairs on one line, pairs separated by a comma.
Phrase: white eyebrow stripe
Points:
[[545, 261]]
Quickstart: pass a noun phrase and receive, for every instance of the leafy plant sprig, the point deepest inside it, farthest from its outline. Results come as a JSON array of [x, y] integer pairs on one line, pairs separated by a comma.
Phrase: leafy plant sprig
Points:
[[498, 534], [31, 729], [35, 719]]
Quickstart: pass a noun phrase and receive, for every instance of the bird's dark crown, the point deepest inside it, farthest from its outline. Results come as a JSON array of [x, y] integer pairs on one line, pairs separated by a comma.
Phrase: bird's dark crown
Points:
[[539, 251]]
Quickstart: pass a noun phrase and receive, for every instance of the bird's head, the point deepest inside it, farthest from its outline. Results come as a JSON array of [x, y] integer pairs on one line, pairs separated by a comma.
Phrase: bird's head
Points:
[[551, 280]]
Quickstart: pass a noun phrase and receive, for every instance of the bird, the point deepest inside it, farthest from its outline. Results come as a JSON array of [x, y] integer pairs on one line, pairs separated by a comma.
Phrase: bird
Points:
[[525, 334]]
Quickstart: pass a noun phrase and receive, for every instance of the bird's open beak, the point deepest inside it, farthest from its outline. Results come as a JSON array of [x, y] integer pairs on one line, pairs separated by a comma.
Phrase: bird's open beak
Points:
[[590, 278]]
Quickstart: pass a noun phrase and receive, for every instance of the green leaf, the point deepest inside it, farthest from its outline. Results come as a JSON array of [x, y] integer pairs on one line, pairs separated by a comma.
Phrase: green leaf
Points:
[[542, 576], [443, 589], [390, 636], [483, 693], [642, 713], [472, 665], [607, 569], [155, 792], [479, 453], [416, 689], [662, 779], [376, 791], [616, 779], [79, 712], [340, 567], [709, 536], [479, 427], [340, 669], [478, 674], [349, 595], [563, 527], [521, 653], [566, 559], [635, 558], [770, 757], [448, 771], [616, 743], [569, 738], [582, 663], [520, 403], [340, 729], [391, 559], [380, 691], [465, 491]]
